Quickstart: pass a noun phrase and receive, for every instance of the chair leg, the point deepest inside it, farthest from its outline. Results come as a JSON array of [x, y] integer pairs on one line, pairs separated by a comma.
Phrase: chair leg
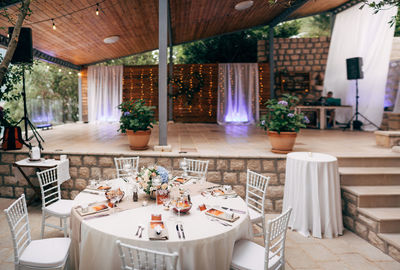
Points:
[[263, 228], [65, 227], [43, 223]]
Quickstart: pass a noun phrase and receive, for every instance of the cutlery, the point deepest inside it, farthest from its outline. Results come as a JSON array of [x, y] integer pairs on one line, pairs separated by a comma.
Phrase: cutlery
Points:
[[183, 233], [220, 222], [137, 231], [91, 192], [234, 210], [141, 231], [179, 233], [97, 216]]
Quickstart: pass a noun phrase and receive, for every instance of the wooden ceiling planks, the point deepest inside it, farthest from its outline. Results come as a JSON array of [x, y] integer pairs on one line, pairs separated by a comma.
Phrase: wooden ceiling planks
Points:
[[79, 37]]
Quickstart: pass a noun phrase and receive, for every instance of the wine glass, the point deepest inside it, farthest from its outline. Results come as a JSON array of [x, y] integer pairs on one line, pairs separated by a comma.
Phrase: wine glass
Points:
[[183, 164], [180, 203]]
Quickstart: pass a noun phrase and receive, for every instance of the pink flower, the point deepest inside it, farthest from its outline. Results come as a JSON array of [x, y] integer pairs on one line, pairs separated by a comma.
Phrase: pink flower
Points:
[[153, 174]]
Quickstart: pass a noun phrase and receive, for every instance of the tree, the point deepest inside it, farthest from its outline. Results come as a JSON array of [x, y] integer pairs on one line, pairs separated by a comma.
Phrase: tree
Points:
[[147, 58], [23, 12], [236, 47], [382, 5]]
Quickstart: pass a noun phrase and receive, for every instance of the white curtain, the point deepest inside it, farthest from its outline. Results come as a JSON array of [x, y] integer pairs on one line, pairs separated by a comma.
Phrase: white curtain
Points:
[[360, 33], [104, 93], [238, 86]]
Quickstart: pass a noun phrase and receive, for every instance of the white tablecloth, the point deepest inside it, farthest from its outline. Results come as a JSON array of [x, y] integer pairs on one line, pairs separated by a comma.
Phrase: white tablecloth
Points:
[[208, 244], [312, 189]]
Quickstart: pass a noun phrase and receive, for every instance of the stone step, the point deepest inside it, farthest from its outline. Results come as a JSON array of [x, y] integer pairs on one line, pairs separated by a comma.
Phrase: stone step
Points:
[[393, 239], [375, 196], [369, 176], [370, 161], [384, 220]]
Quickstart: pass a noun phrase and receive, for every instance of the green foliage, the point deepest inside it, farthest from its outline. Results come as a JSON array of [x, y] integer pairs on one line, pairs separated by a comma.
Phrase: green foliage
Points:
[[239, 47], [187, 90], [281, 115], [316, 26], [383, 5], [147, 58], [136, 115]]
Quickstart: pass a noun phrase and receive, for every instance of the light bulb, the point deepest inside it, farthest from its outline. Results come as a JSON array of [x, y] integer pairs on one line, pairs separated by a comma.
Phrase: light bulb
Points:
[[54, 25], [59, 70], [97, 9]]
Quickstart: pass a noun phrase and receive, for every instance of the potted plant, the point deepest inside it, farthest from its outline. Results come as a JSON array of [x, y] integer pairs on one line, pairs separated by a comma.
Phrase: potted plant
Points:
[[282, 123], [136, 121]]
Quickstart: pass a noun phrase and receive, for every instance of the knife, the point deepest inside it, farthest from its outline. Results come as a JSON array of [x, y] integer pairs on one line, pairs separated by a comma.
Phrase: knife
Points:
[[177, 229], [234, 210], [91, 192], [183, 233]]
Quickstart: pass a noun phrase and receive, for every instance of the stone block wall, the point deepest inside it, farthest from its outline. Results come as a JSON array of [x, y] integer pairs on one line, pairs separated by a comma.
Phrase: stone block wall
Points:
[[299, 55], [364, 227], [229, 171]]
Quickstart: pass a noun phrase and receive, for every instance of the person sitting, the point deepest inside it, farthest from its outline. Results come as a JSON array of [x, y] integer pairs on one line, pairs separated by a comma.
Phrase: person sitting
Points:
[[331, 113]]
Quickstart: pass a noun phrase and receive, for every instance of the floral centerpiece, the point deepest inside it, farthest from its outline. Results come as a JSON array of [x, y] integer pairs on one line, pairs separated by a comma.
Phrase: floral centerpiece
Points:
[[147, 179], [136, 120], [282, 123]]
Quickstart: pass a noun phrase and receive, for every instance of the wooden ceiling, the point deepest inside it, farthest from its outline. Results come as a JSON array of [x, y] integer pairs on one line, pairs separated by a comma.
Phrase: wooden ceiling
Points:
[[79, 36]]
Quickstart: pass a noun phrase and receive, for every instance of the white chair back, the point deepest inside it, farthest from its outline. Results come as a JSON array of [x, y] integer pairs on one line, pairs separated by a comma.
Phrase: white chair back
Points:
[[199, 167], [255, 190], [49, 186], [140, 258], [275, 239], [17, 217], [121, 164]]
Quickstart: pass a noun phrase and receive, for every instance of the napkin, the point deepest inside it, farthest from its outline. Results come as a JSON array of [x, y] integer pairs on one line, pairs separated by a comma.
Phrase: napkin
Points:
[[63, 171], [152, 231]]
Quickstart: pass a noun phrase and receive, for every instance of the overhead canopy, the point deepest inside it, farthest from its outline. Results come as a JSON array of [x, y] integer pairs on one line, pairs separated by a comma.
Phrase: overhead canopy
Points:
[[79, 36]]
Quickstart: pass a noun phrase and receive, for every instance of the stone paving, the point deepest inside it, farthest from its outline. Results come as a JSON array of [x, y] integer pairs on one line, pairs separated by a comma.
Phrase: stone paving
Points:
[[348, 252]]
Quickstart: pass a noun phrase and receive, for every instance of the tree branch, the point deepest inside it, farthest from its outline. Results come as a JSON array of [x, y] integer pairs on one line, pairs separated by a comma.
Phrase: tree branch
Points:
[[12, 45]]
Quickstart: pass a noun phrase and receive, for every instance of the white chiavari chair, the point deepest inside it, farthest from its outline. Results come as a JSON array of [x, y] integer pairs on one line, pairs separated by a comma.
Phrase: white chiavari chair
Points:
[[197, 167], [249, 255], [52, 204], [140, 258], [256, 190], [50, 253], [124, 164]]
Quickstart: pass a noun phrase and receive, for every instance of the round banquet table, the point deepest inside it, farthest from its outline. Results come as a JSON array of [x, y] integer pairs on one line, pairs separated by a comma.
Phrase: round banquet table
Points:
[[208, 244], [312, 189]]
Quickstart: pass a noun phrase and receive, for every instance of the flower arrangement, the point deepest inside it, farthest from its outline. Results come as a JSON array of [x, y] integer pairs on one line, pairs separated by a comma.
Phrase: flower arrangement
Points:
[[281, 115], [147, 175], [136, 115]]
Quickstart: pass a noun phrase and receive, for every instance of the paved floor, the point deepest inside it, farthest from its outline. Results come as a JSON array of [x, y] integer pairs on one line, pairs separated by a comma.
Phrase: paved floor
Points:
[[209, 140], [348, 252]]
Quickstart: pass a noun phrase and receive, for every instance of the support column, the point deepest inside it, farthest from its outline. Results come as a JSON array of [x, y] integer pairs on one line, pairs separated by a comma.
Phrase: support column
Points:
[[162, 70], [80, 98], [170, 68], [271, 62]]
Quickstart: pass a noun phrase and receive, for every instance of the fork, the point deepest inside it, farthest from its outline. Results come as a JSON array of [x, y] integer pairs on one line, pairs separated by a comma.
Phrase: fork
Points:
[[137, 231]]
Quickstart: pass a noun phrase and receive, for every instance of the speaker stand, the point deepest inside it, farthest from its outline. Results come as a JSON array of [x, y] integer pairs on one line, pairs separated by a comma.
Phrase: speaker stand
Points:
[[25, 118], [358, 124]]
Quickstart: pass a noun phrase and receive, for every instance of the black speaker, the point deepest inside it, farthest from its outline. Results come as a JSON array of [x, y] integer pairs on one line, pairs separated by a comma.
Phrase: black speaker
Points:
[[24, 52], [354, 68]]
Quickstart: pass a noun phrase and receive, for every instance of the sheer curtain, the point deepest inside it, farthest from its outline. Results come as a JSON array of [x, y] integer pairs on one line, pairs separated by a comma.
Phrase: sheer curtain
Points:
[[104, 93], [238, 86], [360, 33]]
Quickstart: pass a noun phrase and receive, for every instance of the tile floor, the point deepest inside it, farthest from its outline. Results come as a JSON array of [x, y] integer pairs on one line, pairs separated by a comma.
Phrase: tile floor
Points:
[[348, 252], [209, 140]]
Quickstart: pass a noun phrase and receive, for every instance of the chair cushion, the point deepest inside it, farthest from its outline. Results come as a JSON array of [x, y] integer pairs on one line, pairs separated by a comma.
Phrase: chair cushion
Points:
[[60, 208], [50, 252], [254, 215], [249, 255]]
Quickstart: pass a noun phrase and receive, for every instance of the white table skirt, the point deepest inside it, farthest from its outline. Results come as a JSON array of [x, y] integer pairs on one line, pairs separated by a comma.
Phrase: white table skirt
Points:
[[208, 244], [312, 189]]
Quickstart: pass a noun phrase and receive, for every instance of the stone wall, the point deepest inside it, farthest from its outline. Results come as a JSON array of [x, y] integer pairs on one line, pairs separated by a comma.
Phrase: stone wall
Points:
[[299, 55], [363, 226], [230, 171]]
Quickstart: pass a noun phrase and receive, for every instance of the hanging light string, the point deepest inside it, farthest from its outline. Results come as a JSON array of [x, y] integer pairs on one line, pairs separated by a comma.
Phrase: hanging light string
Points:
[[97, 12]]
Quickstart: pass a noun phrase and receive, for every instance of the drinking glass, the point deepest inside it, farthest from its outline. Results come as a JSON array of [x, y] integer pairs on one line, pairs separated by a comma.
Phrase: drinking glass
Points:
[[183, 164], [180, 203]]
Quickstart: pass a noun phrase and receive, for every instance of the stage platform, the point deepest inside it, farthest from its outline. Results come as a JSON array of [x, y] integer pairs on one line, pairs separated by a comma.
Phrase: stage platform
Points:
[[205, 140]]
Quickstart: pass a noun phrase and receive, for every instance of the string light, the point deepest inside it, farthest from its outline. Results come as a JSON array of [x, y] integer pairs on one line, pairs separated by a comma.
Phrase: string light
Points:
[[59, 70], [97, 9], [79, 74], [54, 25]]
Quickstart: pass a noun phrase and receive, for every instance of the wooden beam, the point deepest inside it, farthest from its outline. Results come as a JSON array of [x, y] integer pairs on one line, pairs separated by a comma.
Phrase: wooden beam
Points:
[[345, 6]]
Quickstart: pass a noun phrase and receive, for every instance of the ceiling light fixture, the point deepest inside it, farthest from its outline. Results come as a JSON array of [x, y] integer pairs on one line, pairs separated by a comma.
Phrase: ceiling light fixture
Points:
[[97, 9], [54, 24], [244, 5], [111, 39]]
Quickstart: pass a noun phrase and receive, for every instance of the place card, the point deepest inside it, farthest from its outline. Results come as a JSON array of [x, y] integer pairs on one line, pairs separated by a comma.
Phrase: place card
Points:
[[217, 213]]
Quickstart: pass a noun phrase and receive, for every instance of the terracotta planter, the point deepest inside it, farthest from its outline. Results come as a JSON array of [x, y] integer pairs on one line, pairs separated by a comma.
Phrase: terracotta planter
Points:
[[139, 140], [282, 143]]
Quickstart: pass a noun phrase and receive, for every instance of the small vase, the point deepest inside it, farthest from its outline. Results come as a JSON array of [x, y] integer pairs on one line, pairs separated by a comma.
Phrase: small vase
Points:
[[282, 143]]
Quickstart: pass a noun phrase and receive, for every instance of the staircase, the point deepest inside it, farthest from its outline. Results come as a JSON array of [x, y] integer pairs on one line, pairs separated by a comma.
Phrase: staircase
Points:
[[371, 201]]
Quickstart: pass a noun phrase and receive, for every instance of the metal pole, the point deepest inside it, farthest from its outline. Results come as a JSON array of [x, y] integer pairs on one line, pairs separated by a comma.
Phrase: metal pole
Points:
[[271, 62], [25, 107], [162, 70], [170, 68], [80, 97]]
